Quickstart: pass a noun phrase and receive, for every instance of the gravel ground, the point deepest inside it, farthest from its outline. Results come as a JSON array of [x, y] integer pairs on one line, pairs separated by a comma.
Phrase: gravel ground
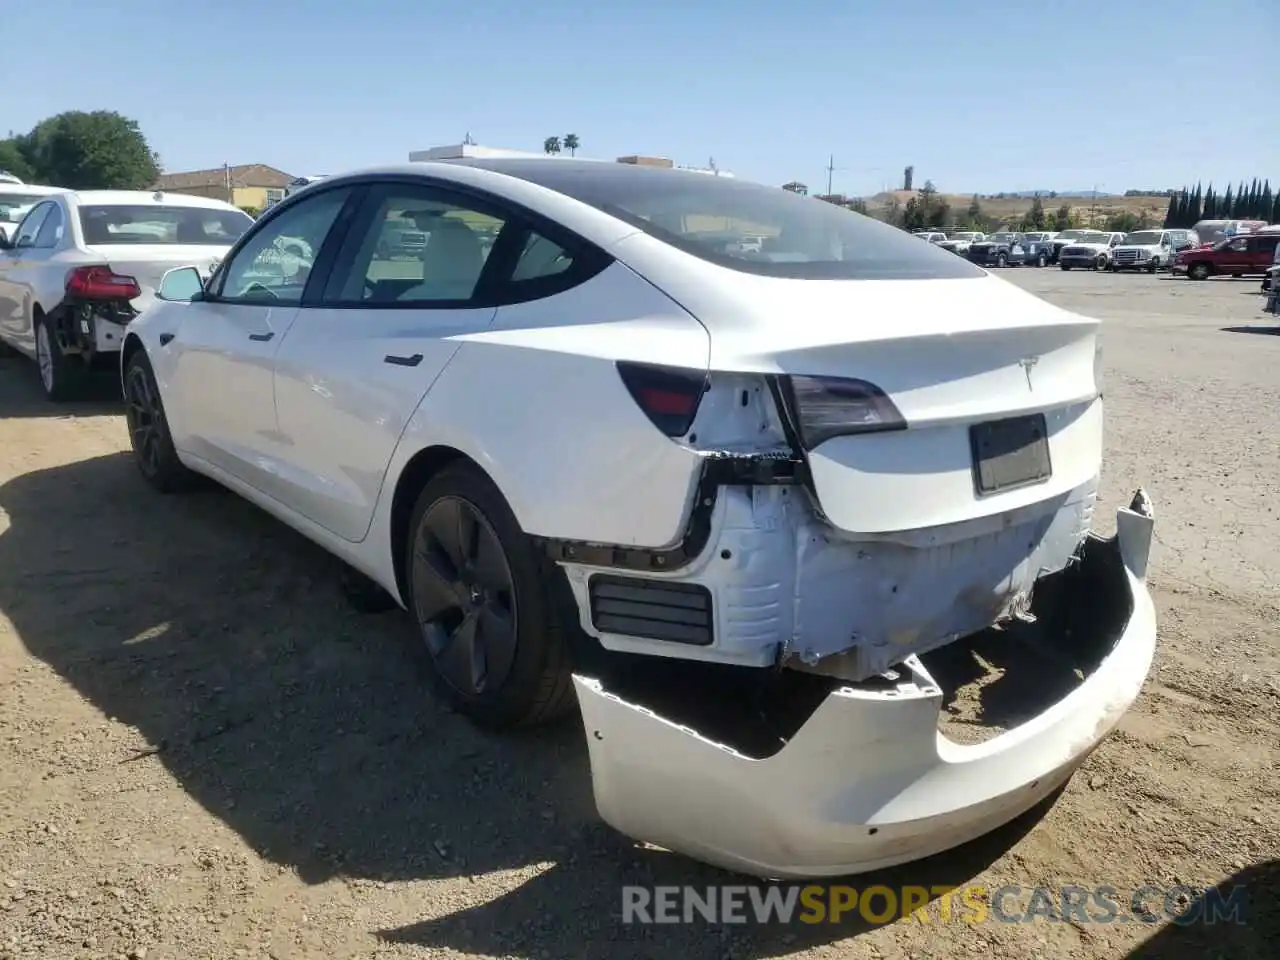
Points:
[[205, 754]]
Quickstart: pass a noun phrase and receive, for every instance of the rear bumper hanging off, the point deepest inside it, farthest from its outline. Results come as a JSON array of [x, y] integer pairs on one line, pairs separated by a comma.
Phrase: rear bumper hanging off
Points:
[[867, 780]]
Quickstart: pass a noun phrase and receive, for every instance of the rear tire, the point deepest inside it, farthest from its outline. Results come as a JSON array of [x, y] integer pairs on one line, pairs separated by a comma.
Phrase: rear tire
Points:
[[153, 449], [1042, 260], [1002, 260], [494, 634], [1065, 266], [61, 377]]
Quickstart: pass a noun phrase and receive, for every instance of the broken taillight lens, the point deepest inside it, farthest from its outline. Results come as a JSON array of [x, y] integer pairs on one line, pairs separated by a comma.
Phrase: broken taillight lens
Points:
[[669, 396], [827, 407]]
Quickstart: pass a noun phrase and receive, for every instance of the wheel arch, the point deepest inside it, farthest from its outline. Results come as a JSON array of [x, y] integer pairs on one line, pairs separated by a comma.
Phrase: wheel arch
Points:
[[132, 344], [417, 473]]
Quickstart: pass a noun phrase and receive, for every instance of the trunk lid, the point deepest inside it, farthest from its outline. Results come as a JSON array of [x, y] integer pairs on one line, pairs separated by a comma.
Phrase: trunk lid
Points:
[[950, 354], [148, 263]]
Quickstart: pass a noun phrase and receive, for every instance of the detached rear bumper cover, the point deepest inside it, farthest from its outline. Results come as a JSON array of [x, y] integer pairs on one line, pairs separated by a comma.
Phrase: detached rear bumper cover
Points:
[[868, 781]]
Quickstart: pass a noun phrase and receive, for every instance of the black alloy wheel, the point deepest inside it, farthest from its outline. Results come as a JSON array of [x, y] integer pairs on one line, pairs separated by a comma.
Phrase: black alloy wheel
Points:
[[149, 435], [464, 596]]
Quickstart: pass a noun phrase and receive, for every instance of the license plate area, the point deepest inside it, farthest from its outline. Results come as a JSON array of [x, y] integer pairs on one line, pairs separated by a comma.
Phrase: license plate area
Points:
[[1010, 453]]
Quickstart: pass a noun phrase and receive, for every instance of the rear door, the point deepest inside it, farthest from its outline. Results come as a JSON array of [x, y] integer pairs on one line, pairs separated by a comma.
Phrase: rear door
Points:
[[16, 280], [1262, 251], [362, 353]]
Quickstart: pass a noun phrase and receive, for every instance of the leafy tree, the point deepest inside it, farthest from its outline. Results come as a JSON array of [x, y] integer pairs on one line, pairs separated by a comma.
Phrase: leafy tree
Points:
[[974, 213], [101, 150], [551, 145], [12, 160], [939, 216], [1062, 219], [892, 212], [913, 215], [1034, 219], [571, 143], [858, 205], [1124, 222]]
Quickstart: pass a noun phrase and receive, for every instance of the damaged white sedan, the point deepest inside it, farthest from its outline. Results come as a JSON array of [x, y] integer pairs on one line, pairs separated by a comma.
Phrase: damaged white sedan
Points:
[[735, 496]]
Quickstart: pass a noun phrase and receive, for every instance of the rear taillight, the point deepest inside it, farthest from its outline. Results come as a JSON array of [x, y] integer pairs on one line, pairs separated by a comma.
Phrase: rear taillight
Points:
[[101, 283], [826, 407], [669, 396]]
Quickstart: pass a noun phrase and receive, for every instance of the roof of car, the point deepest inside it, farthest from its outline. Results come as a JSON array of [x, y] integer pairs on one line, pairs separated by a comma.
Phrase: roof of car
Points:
[[147, 197]]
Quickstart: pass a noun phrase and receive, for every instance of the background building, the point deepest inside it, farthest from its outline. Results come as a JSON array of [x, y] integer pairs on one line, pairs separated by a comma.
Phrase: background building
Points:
[[254, 186]]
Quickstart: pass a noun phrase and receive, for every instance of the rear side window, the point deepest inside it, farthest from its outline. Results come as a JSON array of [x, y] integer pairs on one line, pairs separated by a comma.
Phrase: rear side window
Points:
[[746, 226], [123, 224]]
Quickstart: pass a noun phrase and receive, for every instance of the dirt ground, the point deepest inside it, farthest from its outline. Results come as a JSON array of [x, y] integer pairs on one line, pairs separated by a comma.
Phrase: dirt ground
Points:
[[205, 754]]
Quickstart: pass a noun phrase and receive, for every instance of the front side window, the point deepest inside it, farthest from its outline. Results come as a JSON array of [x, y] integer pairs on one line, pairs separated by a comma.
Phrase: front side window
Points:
[[421, 246], [52, 229], [156, 224], [744, 226], [1239, 245], [29, 229], [275, 263], [14, 206]]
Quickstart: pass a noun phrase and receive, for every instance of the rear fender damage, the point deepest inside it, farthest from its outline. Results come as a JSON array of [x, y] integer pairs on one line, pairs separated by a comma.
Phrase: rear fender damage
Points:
[[785, 774]]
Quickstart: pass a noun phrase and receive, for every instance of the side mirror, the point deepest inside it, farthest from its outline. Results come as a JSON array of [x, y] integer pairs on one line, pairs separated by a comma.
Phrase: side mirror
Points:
[[181, 285]]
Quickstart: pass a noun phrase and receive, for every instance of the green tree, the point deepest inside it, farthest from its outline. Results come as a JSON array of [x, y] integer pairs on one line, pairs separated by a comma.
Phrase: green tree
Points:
[[1034, 219], [1124, 222], [1062, 219], [857, 205], [571, 143], [973, 218], [551, 145], [1171, 214], [913, 215], [12, 160], [1265, 203], [892, 212], [101, 150]]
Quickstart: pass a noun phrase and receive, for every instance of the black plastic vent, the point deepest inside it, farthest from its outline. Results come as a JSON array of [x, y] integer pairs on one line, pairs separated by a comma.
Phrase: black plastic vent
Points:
[[652, 609]]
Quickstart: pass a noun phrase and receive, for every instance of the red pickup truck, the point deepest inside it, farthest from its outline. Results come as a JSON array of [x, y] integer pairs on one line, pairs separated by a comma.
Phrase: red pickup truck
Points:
[[1249, 254]]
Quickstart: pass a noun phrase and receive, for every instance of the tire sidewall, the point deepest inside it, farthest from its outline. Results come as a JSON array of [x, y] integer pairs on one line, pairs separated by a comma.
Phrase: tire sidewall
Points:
[[170, 473]]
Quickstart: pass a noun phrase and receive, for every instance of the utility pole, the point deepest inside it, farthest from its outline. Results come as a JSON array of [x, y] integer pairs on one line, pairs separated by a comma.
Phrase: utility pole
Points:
[[226, 174], [1093, 210], [831, 168]]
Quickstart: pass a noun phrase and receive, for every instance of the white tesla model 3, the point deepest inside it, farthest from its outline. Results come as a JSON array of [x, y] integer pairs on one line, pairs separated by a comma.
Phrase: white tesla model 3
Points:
[[586, 418]]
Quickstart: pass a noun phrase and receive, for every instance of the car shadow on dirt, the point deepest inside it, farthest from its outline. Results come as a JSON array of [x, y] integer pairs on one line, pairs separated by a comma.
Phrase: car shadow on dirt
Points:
[[220, 636], [1270, 331], [21, 396], [1213, 930]]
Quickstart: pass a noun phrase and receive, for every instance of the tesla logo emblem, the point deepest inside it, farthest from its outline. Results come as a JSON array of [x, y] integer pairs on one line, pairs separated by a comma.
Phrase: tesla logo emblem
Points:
[[1026, 363]]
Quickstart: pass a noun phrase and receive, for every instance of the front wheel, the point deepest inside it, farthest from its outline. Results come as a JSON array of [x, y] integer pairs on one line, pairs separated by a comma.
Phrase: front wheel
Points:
[[495, 639], [1154, 266], [153, 449], [1002, 260], [1198, 271], [1042, 260], [1065, 266]]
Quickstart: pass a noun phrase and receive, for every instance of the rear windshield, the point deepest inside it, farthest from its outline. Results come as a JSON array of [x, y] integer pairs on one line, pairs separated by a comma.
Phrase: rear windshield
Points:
[[154, 224], [744, 226]]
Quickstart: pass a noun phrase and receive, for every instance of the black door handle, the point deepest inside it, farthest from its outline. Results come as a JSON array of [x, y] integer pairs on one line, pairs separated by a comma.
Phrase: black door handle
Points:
[[165, 338], [403, 361], [262, 337]]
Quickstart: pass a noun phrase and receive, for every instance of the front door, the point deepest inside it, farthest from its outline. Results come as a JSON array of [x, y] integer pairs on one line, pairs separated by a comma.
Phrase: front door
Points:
[[1234, 257], [361, 355], [222, 404]]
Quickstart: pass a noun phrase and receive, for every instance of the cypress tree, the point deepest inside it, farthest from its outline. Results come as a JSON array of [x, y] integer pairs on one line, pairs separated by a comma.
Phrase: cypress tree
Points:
[[1210, 204], [1265, 203], [1171, 214], [1228, 204], [1255, 199], [1195, 212]]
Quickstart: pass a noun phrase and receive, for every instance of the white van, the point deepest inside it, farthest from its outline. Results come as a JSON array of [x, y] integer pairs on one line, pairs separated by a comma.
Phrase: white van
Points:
[[16, 199]]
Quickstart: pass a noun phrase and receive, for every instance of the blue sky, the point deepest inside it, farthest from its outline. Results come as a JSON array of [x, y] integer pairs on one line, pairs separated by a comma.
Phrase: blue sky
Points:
[[978, 96]]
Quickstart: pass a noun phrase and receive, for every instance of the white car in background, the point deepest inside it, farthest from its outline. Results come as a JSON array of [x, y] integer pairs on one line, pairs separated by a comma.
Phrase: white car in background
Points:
[[959, 242], [1091, 251], [82, 264], [16, 198], [732, 498]]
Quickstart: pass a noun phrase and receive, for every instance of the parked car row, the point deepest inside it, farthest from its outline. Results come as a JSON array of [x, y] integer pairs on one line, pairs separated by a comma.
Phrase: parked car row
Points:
[[1243, 248]]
